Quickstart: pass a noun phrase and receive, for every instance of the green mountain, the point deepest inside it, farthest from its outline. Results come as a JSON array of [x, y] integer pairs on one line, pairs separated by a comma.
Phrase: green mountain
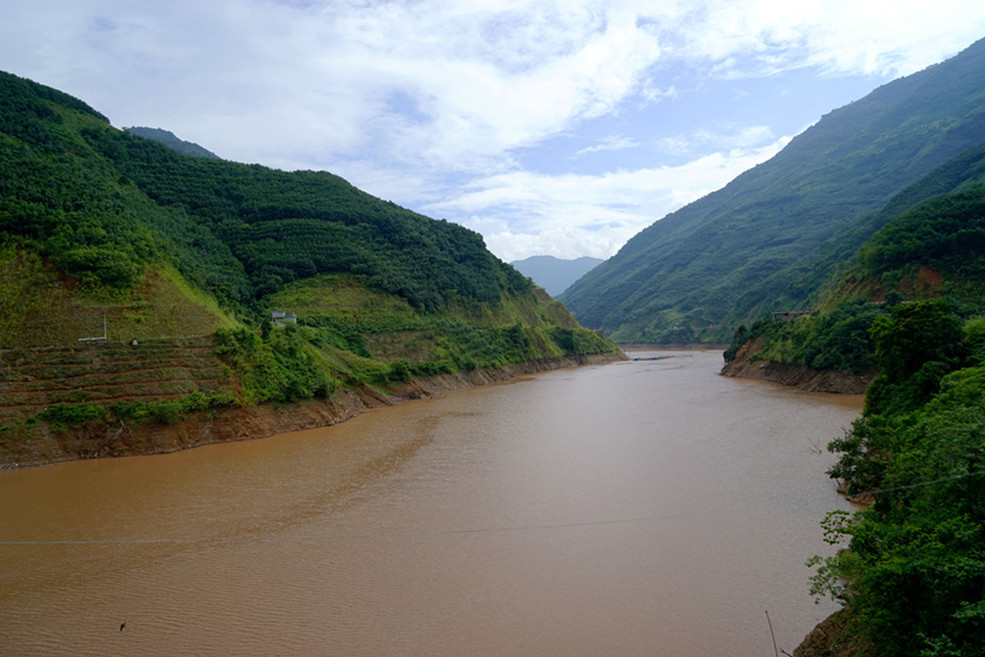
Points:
[[168, 138], [769, 239], [554, 274], [911, 311], [934, 251], [137, 285], [906, 315]]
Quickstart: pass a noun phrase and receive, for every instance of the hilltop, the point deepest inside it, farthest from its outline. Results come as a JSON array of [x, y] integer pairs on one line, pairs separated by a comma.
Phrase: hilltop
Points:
[[770, 239], [168, 138], [137, 286]]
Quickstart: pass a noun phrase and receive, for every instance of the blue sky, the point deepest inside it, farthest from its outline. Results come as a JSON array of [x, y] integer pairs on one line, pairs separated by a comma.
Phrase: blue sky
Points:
[[558, 128]]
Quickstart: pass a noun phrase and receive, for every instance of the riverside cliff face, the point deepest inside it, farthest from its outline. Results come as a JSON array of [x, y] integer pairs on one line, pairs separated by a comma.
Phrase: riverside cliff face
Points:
[[747, 365], [249, 422]]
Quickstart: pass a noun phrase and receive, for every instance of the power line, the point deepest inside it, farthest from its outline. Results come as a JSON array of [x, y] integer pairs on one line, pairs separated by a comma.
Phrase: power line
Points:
[[919, 484]]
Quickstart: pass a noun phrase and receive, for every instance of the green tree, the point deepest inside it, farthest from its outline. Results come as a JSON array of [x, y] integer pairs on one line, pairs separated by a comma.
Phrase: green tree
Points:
[[915, 346]]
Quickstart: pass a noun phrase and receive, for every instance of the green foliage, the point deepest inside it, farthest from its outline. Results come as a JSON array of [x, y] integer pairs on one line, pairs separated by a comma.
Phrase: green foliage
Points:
[[578, 341], [171, 141], [975, 340], [946, 234], [915, 346], [913, 577], [101, 225], [279, 369], [372, 338], [103, 205], [172, 410], [288, 226], [63, 417], [837, 340], [840, 340]]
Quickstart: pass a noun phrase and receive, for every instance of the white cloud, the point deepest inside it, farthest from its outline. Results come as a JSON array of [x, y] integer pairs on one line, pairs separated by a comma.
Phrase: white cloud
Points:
[[703, 141], [877, 37], [522, 213], [408, 99], [610, 143]]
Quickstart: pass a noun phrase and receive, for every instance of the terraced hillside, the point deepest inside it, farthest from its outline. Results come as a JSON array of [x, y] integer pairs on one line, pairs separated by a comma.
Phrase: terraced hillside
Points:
[[104, 234], [33, 380]]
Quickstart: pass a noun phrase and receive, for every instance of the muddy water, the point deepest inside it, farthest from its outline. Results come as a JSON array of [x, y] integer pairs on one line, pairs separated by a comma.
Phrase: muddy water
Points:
[[635, 508]]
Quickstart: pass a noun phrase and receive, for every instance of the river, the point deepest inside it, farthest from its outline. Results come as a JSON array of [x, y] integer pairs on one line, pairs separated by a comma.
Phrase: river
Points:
[[645, 507]]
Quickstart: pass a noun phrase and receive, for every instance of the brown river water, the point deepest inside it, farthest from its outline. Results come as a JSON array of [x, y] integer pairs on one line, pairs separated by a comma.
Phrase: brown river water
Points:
[[634, 508]]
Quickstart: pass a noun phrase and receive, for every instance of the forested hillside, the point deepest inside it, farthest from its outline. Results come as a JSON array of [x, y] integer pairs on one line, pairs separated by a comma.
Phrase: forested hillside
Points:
[[908, 312], [769, 240], [934, 250], [110, 237], [913, 575]]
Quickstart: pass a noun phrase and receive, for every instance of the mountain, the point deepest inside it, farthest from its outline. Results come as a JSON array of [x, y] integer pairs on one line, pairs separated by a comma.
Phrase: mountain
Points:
[[907, 319], [769, 239], [169, 139], [141, 287], [554, 274]]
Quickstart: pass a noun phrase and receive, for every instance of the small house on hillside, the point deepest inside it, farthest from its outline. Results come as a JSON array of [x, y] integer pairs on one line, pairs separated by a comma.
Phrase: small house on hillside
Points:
[[282, 318]]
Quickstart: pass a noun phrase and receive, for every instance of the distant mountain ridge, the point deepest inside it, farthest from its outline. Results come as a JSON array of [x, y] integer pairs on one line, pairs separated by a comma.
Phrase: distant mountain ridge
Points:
[[172, 141], [555, 275], [769, 239]]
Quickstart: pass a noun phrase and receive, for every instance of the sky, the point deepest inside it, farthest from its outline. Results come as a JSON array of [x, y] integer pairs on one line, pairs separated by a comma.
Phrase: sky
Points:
[[551, 128]]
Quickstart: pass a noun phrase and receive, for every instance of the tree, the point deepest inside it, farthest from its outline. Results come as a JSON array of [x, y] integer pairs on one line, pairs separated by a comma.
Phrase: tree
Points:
[[915, 346]]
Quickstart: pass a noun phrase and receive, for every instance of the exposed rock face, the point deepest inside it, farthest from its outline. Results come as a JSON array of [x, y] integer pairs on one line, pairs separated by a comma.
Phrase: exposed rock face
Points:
[[746, 365], [801, 377], [830, 639]]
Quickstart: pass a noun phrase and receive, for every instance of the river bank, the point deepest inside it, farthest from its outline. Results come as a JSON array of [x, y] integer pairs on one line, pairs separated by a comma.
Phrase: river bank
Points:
[[248, 422], [747, 365]]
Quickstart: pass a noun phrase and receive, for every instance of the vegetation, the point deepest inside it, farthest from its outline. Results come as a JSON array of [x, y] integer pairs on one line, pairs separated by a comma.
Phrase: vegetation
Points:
[[374, 338], [909, 311], [274, 367], [836, 340], [770, 239], [913, 576], [946, 234], [104, 230], [103, 204], [936, 250]]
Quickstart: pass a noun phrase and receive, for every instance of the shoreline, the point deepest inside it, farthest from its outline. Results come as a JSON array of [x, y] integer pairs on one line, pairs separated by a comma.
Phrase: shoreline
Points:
[[255, 422], [845, 383], [746, 365]]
